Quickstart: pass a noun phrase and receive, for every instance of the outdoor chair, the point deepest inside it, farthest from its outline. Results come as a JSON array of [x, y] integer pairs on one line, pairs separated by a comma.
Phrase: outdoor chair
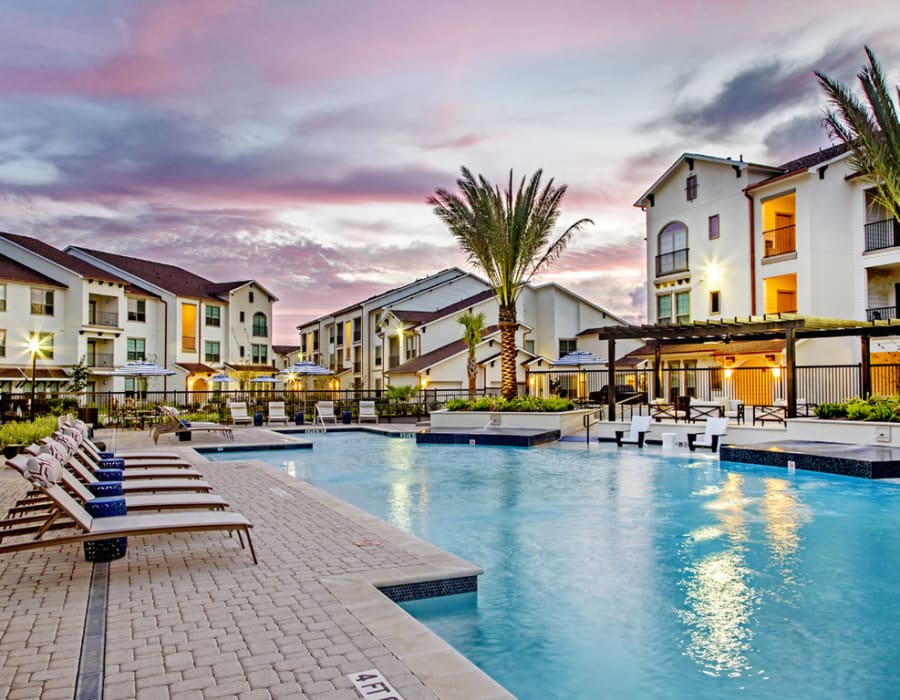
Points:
[[89, 446], [661, 409], [640, 426], [239, 415], [44, 473], [367, 411], [705, 409], [276, 413], [715, 429], [325, 412], [173, 424], [128, 473], [734, 409]]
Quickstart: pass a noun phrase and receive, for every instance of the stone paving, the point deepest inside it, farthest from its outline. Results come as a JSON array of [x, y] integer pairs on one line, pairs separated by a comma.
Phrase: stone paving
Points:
[[190, 616]]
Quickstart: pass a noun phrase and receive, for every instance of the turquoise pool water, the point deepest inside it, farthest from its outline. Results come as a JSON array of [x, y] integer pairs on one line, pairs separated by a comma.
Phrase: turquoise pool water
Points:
[[617, 574]]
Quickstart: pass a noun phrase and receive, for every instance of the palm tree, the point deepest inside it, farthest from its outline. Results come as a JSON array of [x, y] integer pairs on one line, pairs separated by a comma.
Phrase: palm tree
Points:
[[473, 326], [508, 236], [872, 132]]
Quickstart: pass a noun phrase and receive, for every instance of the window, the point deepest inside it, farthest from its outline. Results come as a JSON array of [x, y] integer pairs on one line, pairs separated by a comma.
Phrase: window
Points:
[[242, 317], [339, 329], [378, 356], [529, 346], [250, 297], [690, 187], [664, 308], [135, 385], [259, 354], [673, 251], [683, 307], [2, 342], [137, 349], [714, 303], [137, 310], [2, 297], [412, 346], [45, 342], [260, 327], [567, 345], [241, 351], [42, 301], [214, 316], [188, 327], [713, 227], [211, 351]]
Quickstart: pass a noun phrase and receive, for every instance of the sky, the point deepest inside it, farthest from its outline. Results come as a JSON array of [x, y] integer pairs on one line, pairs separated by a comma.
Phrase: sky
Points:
[[295, 141]]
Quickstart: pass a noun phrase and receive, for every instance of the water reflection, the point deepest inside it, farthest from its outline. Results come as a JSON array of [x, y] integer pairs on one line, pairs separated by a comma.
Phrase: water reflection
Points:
[[290, 466], [784, 514], [719, 598]]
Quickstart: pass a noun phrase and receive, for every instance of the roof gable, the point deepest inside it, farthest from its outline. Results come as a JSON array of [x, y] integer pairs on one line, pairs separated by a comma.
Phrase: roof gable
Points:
[[55, 255], [17, 272]]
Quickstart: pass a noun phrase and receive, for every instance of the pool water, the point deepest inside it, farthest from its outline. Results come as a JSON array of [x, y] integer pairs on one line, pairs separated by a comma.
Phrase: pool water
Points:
[[626, 574]]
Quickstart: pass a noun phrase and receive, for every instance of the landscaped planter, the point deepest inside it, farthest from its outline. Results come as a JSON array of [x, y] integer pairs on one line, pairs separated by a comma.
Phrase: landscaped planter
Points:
[[566, 422]]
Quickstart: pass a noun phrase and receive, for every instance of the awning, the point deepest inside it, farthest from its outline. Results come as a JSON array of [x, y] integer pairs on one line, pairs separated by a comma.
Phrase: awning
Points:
[[46, 374], [196, 368]]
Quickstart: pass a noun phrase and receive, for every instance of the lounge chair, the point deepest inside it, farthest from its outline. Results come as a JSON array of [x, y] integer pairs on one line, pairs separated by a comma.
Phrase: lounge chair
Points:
[[715, 429], [325, 412], [45, 474], [640, 426], [239, 415], [173, 424], [367, 411], [276, 413], [69, 421], [129, 473]]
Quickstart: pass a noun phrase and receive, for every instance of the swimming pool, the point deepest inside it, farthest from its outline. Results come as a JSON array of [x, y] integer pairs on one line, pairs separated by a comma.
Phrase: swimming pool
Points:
[[617, 574]]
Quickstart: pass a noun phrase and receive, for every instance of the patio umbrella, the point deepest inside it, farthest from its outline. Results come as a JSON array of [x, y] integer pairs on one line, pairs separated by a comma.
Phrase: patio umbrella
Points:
[[305, 368], [141, 368], [265, 380], [577, 358], [222, 379]]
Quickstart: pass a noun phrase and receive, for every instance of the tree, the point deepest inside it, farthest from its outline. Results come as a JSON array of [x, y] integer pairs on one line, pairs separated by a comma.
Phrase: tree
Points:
[[473, 326], [508, 236], [80, 376], [871, 132]]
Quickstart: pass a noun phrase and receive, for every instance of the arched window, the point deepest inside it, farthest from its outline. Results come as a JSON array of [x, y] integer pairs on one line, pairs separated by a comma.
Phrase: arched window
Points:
[[672, 251], [260, 327]]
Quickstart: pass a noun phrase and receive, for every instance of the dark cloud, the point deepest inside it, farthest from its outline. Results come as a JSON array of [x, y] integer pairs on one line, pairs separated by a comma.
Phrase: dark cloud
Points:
[[760, 91], [796, 136]]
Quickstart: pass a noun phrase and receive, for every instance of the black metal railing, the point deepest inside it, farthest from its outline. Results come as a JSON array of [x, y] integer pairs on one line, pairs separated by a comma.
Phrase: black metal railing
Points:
[[103, 318], [676, 261], [100, 359], [882, 313], [778, 241], [882, 234]]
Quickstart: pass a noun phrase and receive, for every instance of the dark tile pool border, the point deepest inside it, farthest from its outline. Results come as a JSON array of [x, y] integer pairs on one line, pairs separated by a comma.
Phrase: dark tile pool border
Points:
[[478, 437], [862, 461], [255, 447], [420, 590]]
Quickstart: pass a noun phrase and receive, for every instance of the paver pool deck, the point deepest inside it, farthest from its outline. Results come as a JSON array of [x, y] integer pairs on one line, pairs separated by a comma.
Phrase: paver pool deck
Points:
[[190, 616]]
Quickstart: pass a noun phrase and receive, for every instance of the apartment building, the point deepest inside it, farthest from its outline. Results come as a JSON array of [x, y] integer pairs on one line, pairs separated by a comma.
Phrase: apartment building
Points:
[[207, 327], [412, 336], [103, 310], [730, 238]]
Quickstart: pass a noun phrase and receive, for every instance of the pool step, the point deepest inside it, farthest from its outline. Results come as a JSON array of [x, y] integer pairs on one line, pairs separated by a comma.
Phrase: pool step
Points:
[[313, 431]]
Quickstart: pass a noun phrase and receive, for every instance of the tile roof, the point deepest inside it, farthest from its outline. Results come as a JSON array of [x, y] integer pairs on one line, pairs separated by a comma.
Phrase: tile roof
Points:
[[249, 367], [285, 349], [70, 262], [173, 279], [196, 367], [442, 353], [811, 160], [17, 272], [460, 305]]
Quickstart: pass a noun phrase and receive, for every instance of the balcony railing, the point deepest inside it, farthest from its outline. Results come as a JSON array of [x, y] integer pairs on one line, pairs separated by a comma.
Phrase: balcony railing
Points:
[[676, 261], [189, 343], [882, 234], [393, 360], [100, 359], [778, 241], [882, 313], [103, 318], [357, 336]]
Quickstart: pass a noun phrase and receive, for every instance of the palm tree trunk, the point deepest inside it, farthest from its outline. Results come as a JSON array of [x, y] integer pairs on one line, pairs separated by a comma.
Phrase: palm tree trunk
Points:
[[508, 325], [472, 369]]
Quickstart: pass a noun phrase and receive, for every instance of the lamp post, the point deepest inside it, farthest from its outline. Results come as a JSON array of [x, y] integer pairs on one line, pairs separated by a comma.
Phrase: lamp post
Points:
[[34, 347]]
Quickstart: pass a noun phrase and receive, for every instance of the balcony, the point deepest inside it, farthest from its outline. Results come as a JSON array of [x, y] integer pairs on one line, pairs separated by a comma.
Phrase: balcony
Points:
[[676, 261], [882, 313], [393, 360], [189, 343], [778, 241], [100, 359], [882, 234], [357, 367], [103, 318]]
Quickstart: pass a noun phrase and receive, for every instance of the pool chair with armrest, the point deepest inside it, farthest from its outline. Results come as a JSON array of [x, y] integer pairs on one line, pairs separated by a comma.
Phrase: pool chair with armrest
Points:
[[276, 413], [70, 422], [239, 415], [715, 429], [173, 424], [45, 475], [129, 471], [367, 411], [325, 412], [640, 426]]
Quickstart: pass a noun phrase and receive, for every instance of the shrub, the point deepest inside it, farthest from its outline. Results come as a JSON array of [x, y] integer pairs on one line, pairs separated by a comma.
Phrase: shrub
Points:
[[874, 408], [27, 432], [520, 404], [830, 410]]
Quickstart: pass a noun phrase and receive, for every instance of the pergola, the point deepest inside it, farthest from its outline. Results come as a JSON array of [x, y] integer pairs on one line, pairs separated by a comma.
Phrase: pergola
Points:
[[787, 327]]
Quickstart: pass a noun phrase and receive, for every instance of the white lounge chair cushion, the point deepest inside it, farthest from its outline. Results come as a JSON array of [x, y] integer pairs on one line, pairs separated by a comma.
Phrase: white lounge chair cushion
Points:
[[44, 470]]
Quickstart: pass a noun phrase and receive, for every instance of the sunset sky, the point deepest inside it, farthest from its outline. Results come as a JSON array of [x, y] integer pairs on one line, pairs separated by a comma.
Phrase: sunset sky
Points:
[[295, 141]]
